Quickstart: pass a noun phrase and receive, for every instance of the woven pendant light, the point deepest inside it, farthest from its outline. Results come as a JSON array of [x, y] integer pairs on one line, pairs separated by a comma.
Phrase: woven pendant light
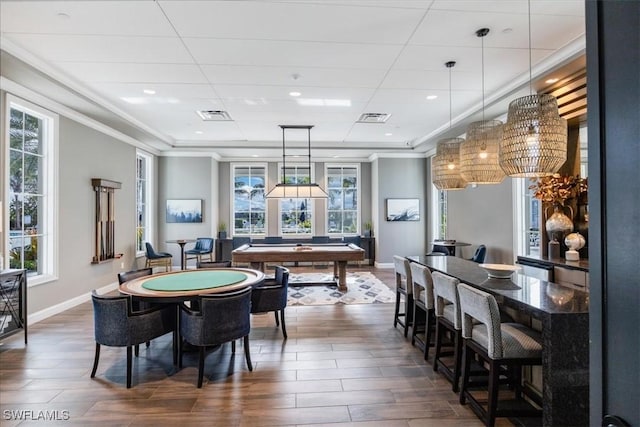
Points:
[[534, 139], [479, 160], [445, 165]]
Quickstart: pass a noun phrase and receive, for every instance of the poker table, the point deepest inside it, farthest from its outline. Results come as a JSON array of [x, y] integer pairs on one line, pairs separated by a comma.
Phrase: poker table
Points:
[[183, 285], [340, 253]]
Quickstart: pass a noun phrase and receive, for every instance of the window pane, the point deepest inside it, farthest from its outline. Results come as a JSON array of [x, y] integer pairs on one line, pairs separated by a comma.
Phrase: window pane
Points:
[[32, 134], [350, 199], [15, 212], [32, 169], [334, 178], [15, 171], [32, 205], [335, 222], [350, 222], [335, 199], [342, 207], [16, 132]]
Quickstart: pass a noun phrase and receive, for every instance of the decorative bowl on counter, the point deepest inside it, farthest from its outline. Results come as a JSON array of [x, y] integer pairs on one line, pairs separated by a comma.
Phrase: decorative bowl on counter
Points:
[[500, 271]]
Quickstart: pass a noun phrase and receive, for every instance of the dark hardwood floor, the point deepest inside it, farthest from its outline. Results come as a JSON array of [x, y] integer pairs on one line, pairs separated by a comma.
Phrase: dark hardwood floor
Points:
[[343, 365]]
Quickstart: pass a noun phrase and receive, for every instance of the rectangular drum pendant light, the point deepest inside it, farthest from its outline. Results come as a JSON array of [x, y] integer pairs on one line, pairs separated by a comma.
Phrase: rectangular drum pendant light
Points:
[[445, 165], [534, 139], [479, 162]]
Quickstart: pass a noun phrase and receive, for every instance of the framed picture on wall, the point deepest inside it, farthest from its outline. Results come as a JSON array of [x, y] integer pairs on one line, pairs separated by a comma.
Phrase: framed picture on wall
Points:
[[189, 210], [403, 209]]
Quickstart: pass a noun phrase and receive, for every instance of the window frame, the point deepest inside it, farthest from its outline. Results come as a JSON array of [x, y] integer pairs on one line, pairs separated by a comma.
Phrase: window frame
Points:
[[50, 147], [310, 202], [358, 187], [231, 227], [148, 211]]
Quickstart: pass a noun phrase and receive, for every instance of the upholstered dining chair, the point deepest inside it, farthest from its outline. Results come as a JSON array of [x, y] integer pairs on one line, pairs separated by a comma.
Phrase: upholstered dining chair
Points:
[[423, 309], [136, 303], [271, 295], [480, 254], [203, 248], [448, 320], [162, 259], [498, 345], [117, 325], [221, 318], [404, 291]]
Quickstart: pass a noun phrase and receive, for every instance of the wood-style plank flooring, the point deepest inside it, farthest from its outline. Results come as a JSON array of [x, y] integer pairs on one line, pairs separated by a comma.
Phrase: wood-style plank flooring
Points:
[[343, 365]]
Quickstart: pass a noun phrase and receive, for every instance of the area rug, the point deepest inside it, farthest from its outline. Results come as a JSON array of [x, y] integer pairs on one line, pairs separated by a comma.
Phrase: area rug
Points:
[[363, 288]]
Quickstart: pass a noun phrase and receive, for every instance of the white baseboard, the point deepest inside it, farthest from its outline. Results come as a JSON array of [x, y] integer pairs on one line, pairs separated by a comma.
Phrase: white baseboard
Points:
[[384, 265], [66, 305]]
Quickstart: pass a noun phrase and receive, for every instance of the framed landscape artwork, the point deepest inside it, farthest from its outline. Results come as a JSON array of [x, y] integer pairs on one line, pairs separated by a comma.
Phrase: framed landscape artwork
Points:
[[184, 210], [403, 209]]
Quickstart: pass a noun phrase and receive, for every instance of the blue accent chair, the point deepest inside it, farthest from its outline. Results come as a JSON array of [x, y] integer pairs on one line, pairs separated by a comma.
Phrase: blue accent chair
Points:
[[162, 259], [203, 248], [480, 254], [271, 295]]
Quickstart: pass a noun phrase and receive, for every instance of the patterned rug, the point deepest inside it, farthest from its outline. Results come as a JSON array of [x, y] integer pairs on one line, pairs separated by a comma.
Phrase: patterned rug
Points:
[[364, 288]]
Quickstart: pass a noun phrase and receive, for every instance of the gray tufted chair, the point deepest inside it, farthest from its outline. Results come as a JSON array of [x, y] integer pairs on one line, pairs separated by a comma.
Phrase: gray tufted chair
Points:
[[221, 318], [117, 325], [508, 345], [202, 248], [271, 295], [404, 290], [447, 311], [423, 312]]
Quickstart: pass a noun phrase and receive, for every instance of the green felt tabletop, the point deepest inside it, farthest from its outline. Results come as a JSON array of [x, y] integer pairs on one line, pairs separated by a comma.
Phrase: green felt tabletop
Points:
[[194, 280]]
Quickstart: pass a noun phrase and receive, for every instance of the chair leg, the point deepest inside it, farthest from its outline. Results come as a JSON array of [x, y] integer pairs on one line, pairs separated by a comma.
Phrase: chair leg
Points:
[[201, 367], [129, 363], [408, 316], [136, 350], [457, 359], [247, 354], [275, 313], [397, 311], [284, 328], [438, 346], [233, 346], [179, 351], [467, 355], [428, 325], [494, 383], [95, 361]]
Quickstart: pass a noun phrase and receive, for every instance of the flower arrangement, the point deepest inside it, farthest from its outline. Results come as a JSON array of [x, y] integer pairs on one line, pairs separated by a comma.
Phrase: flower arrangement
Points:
[[558, 189]]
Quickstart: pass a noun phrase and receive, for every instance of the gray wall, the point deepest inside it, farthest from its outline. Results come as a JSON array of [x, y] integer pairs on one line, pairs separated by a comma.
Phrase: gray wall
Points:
[[483, 215], [400, 178], [185, 178]]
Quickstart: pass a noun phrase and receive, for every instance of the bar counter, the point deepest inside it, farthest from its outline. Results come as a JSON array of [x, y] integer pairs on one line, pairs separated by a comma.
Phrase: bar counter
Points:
[[564, 313]]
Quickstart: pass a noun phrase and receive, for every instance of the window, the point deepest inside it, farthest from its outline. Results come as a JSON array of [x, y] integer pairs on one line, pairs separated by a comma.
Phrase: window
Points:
[[442, 214], [296, 215], [32, 198], [342, 207], [249, 203], [144, 217]]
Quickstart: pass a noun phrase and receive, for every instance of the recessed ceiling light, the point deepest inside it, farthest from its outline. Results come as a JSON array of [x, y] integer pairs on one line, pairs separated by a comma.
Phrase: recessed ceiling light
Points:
[[63, 15], [295, 93], [336, 157], [388, 134], [199, 132], [254, 155], [507, 30], [431, 97], [149, 91], [549, 81]]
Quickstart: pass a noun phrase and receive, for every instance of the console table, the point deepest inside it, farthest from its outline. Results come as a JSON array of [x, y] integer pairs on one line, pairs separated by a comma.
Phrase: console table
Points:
[[13, 302]]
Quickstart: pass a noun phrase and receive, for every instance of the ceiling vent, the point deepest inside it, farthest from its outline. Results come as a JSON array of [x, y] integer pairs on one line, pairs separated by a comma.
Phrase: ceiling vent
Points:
[[214, 116], [373, 118]]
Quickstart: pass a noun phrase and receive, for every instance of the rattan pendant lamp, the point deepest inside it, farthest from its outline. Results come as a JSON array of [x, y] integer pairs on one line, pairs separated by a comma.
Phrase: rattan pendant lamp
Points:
[[534, 139], [284, 190], [479, 162], [446, 163]]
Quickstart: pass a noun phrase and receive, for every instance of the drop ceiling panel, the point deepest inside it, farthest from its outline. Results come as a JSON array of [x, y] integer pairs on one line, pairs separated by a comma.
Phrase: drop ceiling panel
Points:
[[93, 72], [143, 18], [290, 21], [284, 76], [104, 48], [163, 90], [541, 7], [304, 54], [282, 93]]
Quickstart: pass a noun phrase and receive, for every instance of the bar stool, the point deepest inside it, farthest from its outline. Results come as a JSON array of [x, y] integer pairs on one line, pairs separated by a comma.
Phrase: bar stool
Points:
[[403, 287], [447, 311], [509, 345], [423, 313]]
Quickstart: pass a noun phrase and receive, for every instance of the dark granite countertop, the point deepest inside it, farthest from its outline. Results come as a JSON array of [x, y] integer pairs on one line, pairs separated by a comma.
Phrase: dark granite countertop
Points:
[[582, 264], [536, 297]]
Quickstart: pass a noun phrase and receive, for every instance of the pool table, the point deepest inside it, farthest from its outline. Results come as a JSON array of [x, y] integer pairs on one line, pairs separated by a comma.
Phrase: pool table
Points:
[[339, 253]]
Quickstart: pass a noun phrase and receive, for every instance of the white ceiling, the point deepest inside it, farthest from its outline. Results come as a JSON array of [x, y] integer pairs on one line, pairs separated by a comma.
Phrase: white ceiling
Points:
[[245, 57]]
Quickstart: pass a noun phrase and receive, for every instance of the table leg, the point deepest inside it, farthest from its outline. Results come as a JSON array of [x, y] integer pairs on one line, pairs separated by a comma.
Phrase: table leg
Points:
[[181, 255], [342, 276]]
